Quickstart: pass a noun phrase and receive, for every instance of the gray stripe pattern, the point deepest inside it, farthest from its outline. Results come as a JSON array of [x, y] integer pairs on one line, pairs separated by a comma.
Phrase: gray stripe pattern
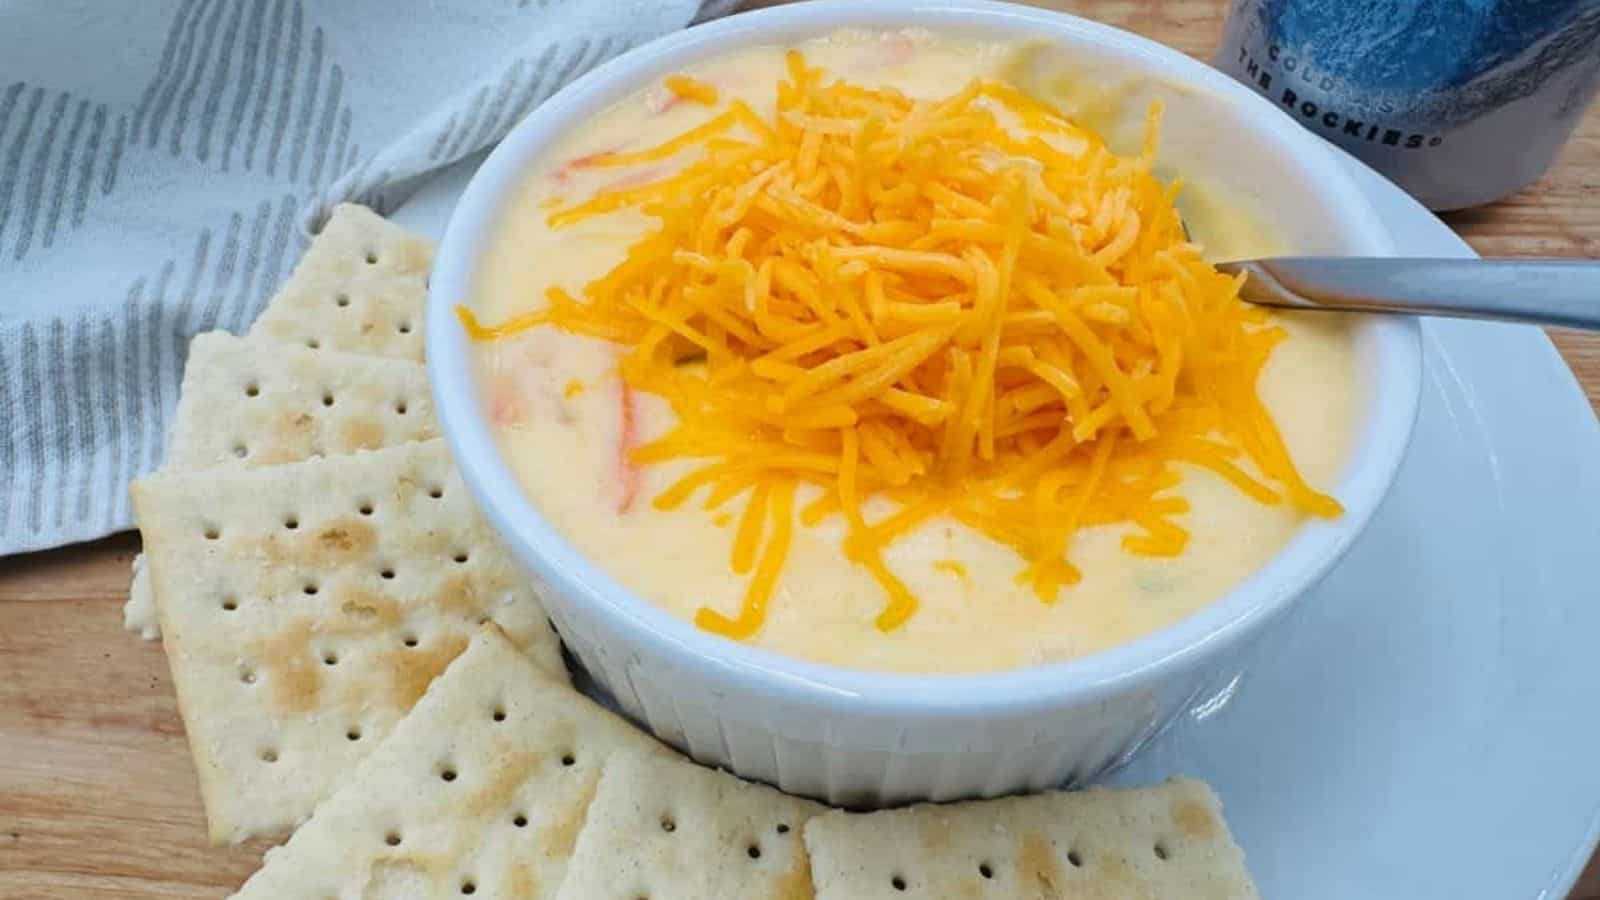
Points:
[[214, 51], [539, 74], [168, 47], [330, 108], [108, 181], [220, 80], [497, 106], [303, 123], [84, 423], [11, 166], [10, 400], [246, 82], [286, 93], [272, 57], [37, 168], [33, 413], [8, 105], [69, 385], [49, 157], [91, 154], [57, 134], [129, 461], [156, 311], [61, 413], [58, 194], [266, 93], [465, 134], [106, 377], [340, 160], [283, 233], [227, 262], [470, 122], [246, 298], [181, 120], [443, 140], [192, 12]]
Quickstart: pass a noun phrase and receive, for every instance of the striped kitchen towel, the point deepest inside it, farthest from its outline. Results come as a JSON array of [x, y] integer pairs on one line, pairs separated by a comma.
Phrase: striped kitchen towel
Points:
[[161, 165]]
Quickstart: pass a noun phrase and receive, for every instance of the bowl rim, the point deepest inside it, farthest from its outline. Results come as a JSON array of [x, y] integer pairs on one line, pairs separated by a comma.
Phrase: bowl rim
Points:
[[1203, 634]]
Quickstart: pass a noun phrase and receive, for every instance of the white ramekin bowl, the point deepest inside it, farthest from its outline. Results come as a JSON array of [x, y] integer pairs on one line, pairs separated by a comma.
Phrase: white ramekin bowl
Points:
[[855, 737]]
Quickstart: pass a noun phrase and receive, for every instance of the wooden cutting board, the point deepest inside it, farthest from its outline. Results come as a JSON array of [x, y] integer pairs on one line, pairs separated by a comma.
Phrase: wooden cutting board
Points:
[[97, 796]]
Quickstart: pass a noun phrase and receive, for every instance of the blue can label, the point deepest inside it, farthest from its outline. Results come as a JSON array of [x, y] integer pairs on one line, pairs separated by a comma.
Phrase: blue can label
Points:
[[1398, 81]]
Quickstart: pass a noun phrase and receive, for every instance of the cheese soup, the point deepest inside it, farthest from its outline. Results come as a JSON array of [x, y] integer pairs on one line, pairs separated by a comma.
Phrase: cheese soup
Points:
[[760, 351]]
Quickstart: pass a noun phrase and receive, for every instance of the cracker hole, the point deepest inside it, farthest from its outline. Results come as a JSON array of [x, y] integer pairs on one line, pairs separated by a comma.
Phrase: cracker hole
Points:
[[330, 658], [365, 509], [568, 759], [436, 492], [353, 734], [468, 887], [230, 604], [1075, 859], [986, 870], [269, 755], [247, 675], [753, 851], [310, 589], [499, 714], [447, 774], [291, 523], [410, 640], [386, 574], [521, 821], [252, 390], [897, 883], [313, 343], [783, 828], [461, 558], [341, 300], [241, 451], [668, 825], [327, 399], [400, 407], [372, 257], [392, 839], [403, 328], [1160, 851], [212, 532]]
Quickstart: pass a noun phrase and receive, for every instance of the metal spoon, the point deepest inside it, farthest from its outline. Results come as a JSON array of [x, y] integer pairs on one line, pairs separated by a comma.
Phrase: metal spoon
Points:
[[1540, 291]]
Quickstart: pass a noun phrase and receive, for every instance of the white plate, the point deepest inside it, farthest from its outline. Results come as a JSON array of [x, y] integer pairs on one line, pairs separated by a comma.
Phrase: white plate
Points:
[[1425, 724]]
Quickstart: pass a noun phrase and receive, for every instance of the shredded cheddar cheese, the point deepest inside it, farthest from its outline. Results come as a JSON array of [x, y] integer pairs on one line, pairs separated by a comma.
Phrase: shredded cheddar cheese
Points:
[[893, 309], [691, 89]]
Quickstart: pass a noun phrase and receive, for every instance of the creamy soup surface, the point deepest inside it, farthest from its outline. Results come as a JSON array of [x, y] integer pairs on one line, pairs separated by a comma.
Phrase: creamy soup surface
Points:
[[555, 397]]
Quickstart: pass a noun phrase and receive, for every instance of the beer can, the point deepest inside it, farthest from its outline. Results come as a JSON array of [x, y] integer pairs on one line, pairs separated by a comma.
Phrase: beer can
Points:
[[1460, 102]]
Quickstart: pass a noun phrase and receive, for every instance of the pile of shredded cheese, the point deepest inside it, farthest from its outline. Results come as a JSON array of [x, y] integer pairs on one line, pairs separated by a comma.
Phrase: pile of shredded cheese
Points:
[[969, 307]]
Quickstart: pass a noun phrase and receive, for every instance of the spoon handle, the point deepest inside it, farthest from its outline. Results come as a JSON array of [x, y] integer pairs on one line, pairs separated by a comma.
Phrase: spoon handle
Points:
[[1540, 291]]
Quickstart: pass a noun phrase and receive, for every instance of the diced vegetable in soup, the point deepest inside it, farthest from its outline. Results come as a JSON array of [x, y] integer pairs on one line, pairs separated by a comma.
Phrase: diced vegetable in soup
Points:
[[858, 351]]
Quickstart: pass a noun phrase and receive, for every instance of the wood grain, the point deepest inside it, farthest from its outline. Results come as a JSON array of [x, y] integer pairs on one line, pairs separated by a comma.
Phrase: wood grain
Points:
[[97, 796]]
